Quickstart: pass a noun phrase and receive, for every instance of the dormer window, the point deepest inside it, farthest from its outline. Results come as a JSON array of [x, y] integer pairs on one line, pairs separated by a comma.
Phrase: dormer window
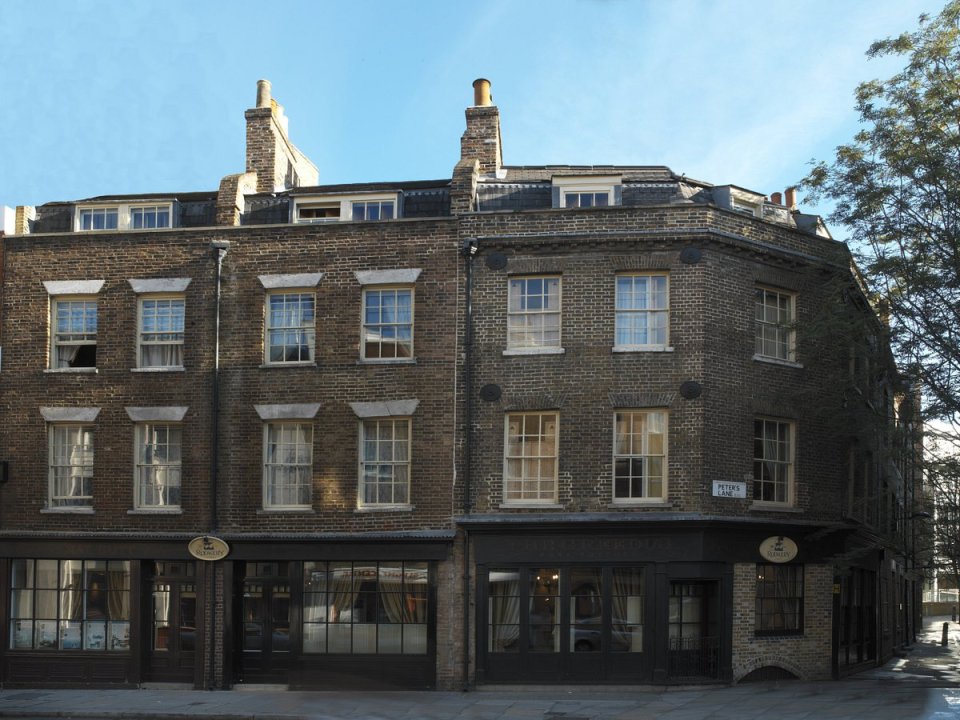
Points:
[[586, 199], [739, 200], [124, 216], [318, 213], [373, 209], [346, 208], [586, 191]]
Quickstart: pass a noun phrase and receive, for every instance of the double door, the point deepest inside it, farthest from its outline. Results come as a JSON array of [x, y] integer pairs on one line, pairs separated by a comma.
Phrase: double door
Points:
[[263, 603]]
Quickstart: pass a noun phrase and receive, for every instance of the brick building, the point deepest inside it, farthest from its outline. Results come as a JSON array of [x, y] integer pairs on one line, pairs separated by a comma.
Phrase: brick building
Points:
[[337, 435]]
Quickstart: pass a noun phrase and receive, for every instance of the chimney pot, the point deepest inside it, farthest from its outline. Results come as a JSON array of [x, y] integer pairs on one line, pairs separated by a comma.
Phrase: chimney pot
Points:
[[481, 92], [790, 195], [263, 94], [776, 199]]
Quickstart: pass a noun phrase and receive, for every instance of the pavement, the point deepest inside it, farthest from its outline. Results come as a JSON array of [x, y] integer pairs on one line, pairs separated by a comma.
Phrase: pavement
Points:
[[923, 683]]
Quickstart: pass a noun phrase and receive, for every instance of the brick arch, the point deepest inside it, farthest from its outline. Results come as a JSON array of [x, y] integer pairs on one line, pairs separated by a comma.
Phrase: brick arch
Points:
[[767, 660]]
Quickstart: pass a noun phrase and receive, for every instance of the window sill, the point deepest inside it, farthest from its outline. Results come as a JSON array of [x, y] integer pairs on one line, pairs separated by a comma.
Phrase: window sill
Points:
[[158, 369], [640, 504], [642, 349], [156, 511], [75, 510], [535, 351], [759, 506], [271, 366], [387, 361], [287, 511], [384, 508], [530, 506], [72, 371], [777, 361]]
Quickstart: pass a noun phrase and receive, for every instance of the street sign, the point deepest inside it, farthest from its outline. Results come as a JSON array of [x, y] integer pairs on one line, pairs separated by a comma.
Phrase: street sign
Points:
[[729, 489]]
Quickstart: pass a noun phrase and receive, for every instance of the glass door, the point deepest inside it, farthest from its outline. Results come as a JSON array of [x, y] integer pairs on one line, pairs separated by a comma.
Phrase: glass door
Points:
[[264, 627], [173, 622]]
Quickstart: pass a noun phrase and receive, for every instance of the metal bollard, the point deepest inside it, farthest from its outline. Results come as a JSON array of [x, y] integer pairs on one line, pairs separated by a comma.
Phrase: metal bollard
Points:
[[946, 632]]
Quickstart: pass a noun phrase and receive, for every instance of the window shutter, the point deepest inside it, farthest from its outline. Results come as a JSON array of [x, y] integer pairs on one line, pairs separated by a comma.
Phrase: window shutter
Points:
[[618, 194], [556, 197]]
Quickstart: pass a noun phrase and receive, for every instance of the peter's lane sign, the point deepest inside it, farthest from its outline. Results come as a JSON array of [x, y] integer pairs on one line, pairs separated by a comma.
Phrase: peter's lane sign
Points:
[[207, 547]]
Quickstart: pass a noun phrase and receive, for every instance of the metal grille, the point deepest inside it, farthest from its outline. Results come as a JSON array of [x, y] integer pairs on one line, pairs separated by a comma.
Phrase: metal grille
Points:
[[694, 657]]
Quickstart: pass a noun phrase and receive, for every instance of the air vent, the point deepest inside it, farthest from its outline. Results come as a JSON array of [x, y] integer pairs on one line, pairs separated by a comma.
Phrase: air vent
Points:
[[490, 393], [690, 390], [496, 261]]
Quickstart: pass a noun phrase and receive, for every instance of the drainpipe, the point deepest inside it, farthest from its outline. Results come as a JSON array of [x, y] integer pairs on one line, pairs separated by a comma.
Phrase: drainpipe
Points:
[[469, 250], [220, 248]]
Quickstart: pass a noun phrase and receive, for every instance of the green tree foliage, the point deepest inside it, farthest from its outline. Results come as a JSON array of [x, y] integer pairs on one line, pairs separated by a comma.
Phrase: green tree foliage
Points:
[[896, 188]]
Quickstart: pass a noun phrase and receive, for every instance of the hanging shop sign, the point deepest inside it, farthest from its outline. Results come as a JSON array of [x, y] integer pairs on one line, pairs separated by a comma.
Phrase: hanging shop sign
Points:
[[778, 549], [208, 547]]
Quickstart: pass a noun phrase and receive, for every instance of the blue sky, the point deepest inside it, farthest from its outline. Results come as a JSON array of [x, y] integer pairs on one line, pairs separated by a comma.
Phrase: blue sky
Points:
[[133, 96]]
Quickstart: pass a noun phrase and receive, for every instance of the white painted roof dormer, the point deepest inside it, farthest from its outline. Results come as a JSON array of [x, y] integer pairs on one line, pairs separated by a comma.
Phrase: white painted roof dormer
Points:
[[353, 207], [573, 191], [740, 200]]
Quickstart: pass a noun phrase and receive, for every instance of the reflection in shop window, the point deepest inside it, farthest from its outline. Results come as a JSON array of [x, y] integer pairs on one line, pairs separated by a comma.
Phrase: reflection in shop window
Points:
[[70, 605], [365, 607]]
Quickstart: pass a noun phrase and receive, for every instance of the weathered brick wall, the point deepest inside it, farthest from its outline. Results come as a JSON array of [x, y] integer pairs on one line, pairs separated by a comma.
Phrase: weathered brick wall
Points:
[[808, 655], [712, 340], [26, 385], [337, 379]]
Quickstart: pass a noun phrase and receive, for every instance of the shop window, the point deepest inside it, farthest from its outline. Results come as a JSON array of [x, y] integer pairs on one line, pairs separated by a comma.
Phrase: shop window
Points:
[[365, 607], [70, 605], [779, 602]]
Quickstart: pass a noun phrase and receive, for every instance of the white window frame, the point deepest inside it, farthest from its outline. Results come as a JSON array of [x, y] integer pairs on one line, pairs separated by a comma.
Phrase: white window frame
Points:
[[389, 462], [343, 204], [592, 184], [79, 340], [521, 338], [644, 454], [165, 474], [173, 338], [778, 332], [649, 312], [782, 462], [80, 464], [123, 213], [522, 486], [307, 330], [367, 338], [272, 466]]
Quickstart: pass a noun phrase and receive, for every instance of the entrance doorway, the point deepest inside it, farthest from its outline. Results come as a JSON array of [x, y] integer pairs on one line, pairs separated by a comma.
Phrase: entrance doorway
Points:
[[172, 648], [263, 596], [693, 634]]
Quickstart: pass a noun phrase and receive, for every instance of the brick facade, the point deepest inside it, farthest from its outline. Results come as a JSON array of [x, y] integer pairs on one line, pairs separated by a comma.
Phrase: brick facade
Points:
[[620, 574]]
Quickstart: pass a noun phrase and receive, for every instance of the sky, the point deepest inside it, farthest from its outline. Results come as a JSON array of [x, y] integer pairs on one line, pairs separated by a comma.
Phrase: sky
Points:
[[130, 96]]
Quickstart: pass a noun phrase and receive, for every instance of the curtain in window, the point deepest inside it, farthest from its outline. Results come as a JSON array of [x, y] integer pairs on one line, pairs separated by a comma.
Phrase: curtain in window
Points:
[[162, 356], [344, 587], [504, 609]]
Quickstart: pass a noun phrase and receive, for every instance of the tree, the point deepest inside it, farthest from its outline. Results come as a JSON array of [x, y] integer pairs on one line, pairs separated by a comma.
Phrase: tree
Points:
[[896, 188]]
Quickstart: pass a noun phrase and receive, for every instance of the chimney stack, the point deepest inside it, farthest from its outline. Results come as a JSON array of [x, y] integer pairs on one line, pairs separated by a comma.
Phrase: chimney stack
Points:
[[481, 140], [277, 162], [791, 198], [776, 199]]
